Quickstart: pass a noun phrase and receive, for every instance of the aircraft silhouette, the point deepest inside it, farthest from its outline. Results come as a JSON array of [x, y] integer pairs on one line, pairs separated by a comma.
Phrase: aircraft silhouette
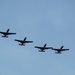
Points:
[[42, 49], [23, 41], [58, 51], [5, 34]]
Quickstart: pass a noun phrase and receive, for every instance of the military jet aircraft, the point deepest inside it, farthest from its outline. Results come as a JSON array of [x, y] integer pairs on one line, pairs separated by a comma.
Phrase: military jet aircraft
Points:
[[5, 34], [42, 49], [58, 51], [23, 41]]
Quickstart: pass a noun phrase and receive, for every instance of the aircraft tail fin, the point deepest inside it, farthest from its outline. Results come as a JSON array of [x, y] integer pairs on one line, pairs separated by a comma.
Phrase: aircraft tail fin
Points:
[[25, 38], [45, 45], [7, 30], [61, 47]]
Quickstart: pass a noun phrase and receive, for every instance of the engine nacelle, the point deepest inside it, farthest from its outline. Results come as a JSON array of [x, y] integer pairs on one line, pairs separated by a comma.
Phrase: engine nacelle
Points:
[[5, 36], [58, 52], [22, 44], [41, 51]]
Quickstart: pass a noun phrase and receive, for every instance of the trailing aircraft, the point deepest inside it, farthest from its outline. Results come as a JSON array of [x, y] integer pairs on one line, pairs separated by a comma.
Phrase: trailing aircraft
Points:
[[59, 51], [42, 49], [5, 34], [23, 41]]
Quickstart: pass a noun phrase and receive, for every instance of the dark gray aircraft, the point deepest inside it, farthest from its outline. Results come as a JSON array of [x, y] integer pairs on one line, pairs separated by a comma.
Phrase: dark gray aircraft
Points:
[[58, 51], [5, 34], [42, 49], [23, 41]]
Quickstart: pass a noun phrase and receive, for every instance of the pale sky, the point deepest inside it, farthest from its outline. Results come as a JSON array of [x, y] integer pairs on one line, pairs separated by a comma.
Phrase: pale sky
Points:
[[41, 21]]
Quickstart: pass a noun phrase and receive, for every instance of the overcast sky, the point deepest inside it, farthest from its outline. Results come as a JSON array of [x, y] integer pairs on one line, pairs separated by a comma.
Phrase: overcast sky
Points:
[[50, 22]]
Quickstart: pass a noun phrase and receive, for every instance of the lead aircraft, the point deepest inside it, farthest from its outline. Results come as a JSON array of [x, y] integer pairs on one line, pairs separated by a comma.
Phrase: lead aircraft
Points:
[[42, 49], [23, 41], [59, 51], [5, 34]]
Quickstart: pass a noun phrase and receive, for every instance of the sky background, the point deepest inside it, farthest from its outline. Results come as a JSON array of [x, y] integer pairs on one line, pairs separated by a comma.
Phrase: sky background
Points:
[[42, 21]]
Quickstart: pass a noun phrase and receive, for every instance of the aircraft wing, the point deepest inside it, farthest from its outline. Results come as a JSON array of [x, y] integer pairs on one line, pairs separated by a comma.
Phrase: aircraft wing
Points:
[[2, 32], [37, 47], [48, 47], [17, 40], [64, 49], [60, 49], [11, 33], [54, 49], [29, 41]]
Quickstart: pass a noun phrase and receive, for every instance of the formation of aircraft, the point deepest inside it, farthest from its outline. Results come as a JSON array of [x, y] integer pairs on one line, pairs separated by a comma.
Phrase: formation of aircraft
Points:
[[58, 51], [5, 34], [24, 41], [42, 49]]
